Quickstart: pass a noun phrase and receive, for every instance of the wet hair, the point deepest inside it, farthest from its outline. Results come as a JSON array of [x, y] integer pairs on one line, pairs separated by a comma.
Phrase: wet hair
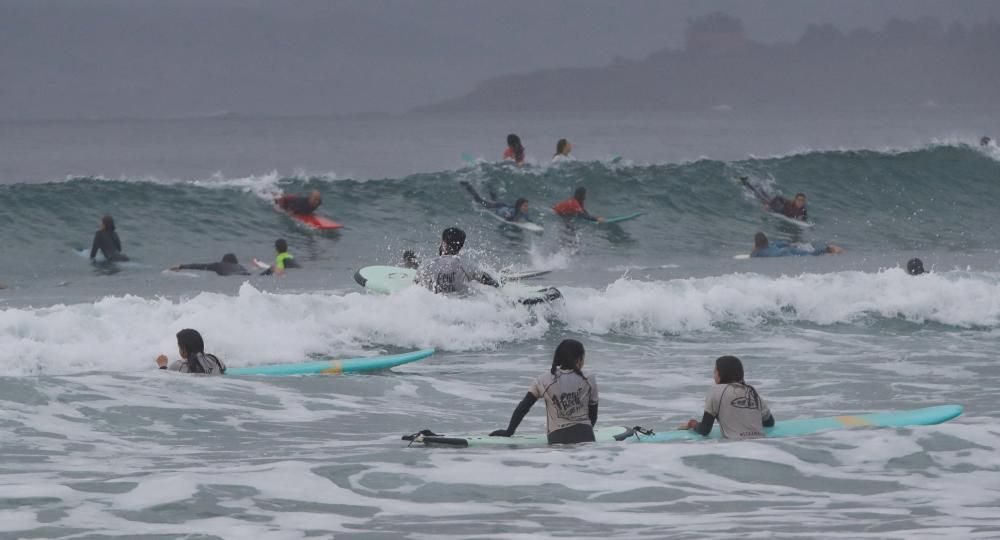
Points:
[[109, 223], [280, 245], [410, 260], [760, 241], [567, 354], [514, 142], [915, 267], [191, 341], [454, 240], [561, 146], [580, 194], [518, 203], [731, 371], [797, 195], [230, 258]]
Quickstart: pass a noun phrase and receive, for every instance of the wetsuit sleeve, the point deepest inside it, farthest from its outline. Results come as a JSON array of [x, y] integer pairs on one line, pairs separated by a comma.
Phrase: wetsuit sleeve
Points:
[[117, 241], [485, 278], [93, 247], [705, 426], [475, 194], [586, 215], [765, 414], [712, 402], [592, 413], [757, 192], [521, 410]]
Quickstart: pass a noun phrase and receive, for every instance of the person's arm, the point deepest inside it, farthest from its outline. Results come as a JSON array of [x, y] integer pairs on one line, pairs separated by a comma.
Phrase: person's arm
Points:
[[757, 192], [117, 241], [515, 419], [704, 427], [768, 420], [485, 279], [472, 191], [94, 247], [592, 413]]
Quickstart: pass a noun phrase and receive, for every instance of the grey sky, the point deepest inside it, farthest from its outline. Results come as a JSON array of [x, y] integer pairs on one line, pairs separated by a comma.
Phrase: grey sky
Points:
[[148, 58]]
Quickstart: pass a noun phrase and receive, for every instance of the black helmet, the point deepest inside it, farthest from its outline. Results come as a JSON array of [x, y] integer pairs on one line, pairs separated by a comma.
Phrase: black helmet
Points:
[[915, 267]]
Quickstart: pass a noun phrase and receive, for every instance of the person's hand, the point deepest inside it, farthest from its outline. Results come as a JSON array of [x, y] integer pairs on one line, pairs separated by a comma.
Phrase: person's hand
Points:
[[162, 361], [690, 424], [500, 433], [600, 220]]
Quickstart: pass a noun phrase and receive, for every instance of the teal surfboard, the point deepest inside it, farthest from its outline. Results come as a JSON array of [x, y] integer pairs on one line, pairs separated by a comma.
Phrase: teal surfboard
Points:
[[390, 279], [335, 367], [607, 434], [807, 426], [619, 219]]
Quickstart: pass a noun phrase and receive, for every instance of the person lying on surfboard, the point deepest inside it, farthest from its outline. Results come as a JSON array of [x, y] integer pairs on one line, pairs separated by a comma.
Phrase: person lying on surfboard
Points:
[[794, 209], [741, 412], [517, 212], [298, 204], [448, 272], [573, 207], [570, 398], [282, 260], [107, 242], [191, 347], [228, 266], [764, 248]]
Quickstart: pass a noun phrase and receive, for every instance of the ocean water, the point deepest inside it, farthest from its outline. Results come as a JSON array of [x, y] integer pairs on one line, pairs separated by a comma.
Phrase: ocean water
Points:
[[97, 443]]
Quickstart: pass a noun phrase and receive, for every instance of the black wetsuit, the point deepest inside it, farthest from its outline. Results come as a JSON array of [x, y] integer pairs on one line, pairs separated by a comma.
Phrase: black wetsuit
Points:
[[220, 268], [109, 244]]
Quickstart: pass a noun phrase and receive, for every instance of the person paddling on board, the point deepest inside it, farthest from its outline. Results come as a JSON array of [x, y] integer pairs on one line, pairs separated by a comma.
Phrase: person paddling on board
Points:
[[107, 242], [515, 150], [228, 266], [741, 412], [794, 209], [191, 347], [448, 273], [570, 398], [300, 205], [282, 260], [563, 149], [764, 248], [518, 212], [573, 207]]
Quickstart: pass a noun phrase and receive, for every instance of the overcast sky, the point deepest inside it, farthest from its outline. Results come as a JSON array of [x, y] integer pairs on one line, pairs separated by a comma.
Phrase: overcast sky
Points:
[[153, 58]]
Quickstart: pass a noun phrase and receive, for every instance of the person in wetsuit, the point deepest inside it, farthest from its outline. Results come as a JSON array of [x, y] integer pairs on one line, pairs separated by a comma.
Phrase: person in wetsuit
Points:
[[737, 406], [515, 150], [570, 398], [191, 347], [297, 204], [228, 266], [915, 267], [573, 207], [764, 248], [107, 242], [518, 212], [448, 272], [282, 260], [794, 209]]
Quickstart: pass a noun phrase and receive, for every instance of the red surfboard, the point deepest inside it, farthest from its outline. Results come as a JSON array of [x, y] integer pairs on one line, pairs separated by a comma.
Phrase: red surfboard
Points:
[[317, 222]]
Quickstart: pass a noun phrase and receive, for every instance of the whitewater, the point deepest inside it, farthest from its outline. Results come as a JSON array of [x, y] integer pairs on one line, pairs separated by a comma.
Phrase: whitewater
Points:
[[95, 442]]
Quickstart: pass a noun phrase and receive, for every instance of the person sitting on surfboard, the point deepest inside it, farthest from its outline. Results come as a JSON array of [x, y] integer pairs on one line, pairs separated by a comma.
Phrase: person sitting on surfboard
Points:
[[107, 242], [763, 248], [283, 260], [515, 150], [570, 398], [741, 412], [448, 273], [191, 347], [228, 266], [794, 209], [300, 205], [563, 149], [518, 212], [573, 207]]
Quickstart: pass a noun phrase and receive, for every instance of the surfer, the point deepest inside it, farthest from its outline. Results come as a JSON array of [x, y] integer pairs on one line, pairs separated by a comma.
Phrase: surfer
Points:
[[741, 412], [915, 267], [763, 248], [228, 266], [191, 347], [448, 273], [573, 207], [410, 260], [985, 141], [570, 398], [300, 205], [563, 149], [282, 260], [518, 212], [515, 150], [107, 242], [794, 209]]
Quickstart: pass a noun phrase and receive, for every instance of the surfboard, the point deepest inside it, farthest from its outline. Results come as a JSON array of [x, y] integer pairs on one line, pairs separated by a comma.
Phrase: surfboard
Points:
[[786, 219], [808, 426], [524, 225], [429, 439], [619, 219], [334, 367], [390, 279], [526, 274], [742, 256], [260, 264], [316, 222]]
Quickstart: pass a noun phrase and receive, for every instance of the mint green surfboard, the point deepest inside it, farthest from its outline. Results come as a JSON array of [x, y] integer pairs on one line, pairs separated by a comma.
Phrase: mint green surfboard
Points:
[[334, 367], [391, 279]]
